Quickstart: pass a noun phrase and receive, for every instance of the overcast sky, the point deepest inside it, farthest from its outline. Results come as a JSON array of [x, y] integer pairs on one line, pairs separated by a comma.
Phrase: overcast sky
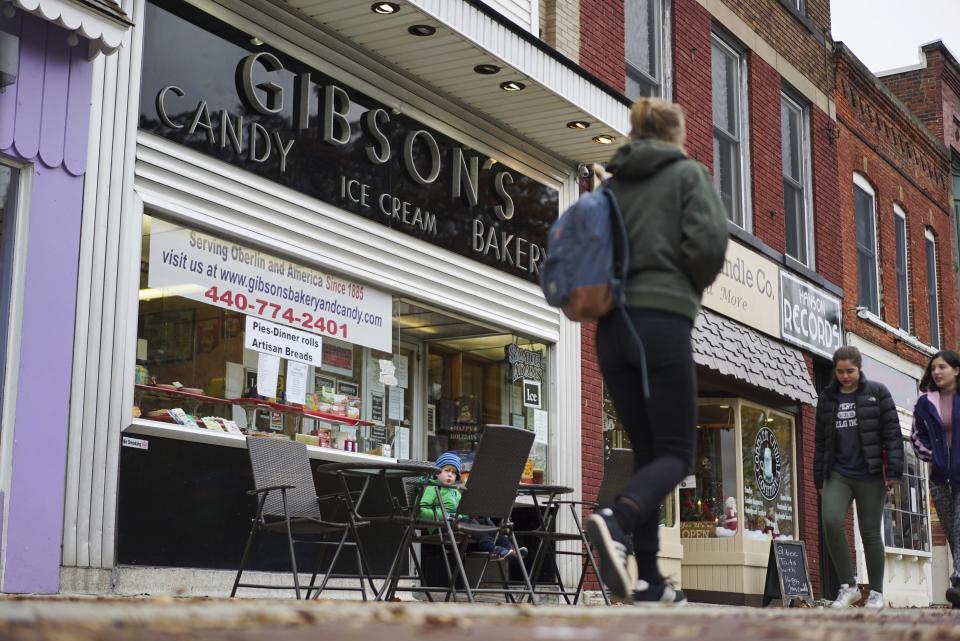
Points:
[[887, 34]]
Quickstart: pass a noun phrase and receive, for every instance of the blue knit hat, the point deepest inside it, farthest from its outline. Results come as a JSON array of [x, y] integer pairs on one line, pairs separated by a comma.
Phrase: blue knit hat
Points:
[[449, 458]]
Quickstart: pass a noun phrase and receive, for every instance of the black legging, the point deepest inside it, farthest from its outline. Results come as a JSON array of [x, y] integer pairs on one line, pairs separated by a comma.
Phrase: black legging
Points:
[[662, 431]]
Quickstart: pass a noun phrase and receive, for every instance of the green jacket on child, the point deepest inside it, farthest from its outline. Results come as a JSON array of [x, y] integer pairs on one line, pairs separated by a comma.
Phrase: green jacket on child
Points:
[[433, 495]]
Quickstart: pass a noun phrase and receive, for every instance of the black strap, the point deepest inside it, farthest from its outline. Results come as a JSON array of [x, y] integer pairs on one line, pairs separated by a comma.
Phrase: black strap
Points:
[[621, 265]]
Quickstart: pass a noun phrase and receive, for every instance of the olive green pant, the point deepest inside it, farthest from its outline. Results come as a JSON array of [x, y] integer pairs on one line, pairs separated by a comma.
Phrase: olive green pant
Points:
[[835, 498]]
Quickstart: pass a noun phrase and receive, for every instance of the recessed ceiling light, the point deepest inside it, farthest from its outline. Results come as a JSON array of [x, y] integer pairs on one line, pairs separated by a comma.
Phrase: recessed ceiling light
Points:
[[486, 69], [385, 8], [255, 41], [421, 30], [604, 139], [578, 124], [512, 85]]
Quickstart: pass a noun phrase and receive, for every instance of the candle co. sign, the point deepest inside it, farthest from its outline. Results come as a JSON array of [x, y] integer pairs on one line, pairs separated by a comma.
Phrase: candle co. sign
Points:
[[271, 114]]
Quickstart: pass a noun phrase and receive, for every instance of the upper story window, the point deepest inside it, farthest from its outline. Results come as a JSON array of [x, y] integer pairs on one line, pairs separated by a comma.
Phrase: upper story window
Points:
[[795, 149], [643, 47], [903, 281], [866, 222], [932, 301], [729, 144]]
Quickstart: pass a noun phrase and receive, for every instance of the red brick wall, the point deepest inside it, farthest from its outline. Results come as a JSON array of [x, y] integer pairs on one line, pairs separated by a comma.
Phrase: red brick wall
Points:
[[601, 40], [692, 76], [933, 94], [807, 492], [878, 141], [792, 40], [766, 153], [826, 197]]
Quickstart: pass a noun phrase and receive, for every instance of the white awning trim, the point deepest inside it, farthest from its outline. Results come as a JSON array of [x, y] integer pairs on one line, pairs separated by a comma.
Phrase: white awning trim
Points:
[[102, 26], [556, 92]]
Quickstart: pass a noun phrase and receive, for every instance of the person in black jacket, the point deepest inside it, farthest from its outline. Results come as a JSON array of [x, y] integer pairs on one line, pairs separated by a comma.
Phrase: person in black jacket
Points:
[[677, 230], [857, 430]]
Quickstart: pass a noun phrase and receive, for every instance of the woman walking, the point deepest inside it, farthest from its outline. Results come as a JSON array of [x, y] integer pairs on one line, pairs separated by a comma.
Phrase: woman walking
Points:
[[856, 427], [677, 231], [935, 440]]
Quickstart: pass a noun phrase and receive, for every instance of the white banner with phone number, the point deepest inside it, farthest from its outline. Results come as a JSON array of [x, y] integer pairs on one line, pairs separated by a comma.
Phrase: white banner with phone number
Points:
[[206, 268]]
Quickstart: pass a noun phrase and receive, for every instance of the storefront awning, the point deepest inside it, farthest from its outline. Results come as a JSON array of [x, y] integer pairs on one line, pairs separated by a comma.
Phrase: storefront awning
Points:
[[102, 22], [734, 350], [549, 92]]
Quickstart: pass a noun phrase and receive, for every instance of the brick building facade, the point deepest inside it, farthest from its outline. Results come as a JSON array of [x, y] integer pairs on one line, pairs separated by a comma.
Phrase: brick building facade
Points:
[[895, 191], [780, 52]]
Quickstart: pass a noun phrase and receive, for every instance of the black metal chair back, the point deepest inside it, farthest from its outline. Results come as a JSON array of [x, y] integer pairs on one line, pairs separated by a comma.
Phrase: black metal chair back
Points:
[[491, 488], [617, 472], [280, 462]]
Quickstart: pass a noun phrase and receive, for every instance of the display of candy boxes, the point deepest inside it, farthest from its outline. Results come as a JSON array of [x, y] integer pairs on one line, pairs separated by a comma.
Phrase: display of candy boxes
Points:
[[182, 418]]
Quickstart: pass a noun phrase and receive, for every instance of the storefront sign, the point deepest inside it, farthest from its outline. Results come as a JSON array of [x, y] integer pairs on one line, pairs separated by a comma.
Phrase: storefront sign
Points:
[[258, 109], [810, 317], [747, 290], [270, 338], [767, 463], [698, 529], [338, 358], [524, 363], [196, 265], [531, 393]]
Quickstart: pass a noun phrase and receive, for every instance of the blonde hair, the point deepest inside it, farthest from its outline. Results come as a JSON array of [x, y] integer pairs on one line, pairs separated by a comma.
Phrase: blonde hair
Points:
[[659, 119]]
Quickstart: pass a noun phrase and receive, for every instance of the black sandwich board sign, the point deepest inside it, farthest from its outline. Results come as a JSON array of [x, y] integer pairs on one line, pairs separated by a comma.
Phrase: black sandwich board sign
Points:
[[788, 575]]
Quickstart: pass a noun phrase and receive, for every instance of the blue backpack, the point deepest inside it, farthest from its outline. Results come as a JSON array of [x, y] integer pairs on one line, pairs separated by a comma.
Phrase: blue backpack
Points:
[[585, 271], [586, 265]]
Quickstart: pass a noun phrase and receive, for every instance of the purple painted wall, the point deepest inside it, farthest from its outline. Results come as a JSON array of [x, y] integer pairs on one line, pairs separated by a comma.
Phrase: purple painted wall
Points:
[[44, 118]]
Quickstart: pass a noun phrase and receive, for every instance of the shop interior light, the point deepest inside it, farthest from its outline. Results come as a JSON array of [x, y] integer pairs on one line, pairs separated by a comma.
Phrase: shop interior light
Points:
[[578, 124], [512, 85], [421, 30], [385, 8], [255, 41], [486, 69], [604, 139]]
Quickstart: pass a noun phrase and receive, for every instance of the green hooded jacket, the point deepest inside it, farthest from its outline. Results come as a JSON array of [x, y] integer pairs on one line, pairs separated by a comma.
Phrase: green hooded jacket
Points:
[[430, 502], [676, 223]]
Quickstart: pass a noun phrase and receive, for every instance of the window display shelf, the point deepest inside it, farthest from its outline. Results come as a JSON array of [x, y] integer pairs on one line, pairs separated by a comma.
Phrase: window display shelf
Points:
[[300, 411], [176, 393]]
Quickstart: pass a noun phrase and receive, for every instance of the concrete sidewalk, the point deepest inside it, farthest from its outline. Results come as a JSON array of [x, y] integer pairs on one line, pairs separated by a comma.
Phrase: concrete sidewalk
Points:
[[166, 619]]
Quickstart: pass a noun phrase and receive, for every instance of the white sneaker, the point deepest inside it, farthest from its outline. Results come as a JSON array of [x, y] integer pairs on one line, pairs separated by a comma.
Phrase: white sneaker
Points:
[[847, 596], [875, 600]]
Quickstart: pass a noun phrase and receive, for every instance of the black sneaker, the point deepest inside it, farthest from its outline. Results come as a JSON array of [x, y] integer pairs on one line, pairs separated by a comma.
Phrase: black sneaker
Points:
[[658, 594], [611, 542], [953, 595]]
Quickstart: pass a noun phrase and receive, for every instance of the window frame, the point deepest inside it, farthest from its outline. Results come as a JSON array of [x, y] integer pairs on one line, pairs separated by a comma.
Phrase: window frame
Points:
[[742, 140], [923, 502], [658, 12], [806, 183], [18, 229], [859, 182], [903, 296], [933, 281]]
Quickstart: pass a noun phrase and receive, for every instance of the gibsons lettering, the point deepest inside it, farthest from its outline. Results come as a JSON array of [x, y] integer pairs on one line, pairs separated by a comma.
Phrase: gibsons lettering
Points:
[[271, 114]]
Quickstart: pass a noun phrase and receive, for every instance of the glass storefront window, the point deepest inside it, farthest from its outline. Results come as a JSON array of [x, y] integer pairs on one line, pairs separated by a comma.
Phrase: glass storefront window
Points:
[[768, 474], [708, 497], [615, 437], [905, 518], [382, 375]]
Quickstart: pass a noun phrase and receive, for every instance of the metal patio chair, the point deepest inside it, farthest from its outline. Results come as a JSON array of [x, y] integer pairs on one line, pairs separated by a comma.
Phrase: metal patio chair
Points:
[[490, 493], [617, 471], [288, 505]]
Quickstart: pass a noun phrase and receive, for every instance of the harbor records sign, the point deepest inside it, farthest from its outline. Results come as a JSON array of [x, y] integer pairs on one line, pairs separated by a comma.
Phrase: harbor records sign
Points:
[[809, 316]]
